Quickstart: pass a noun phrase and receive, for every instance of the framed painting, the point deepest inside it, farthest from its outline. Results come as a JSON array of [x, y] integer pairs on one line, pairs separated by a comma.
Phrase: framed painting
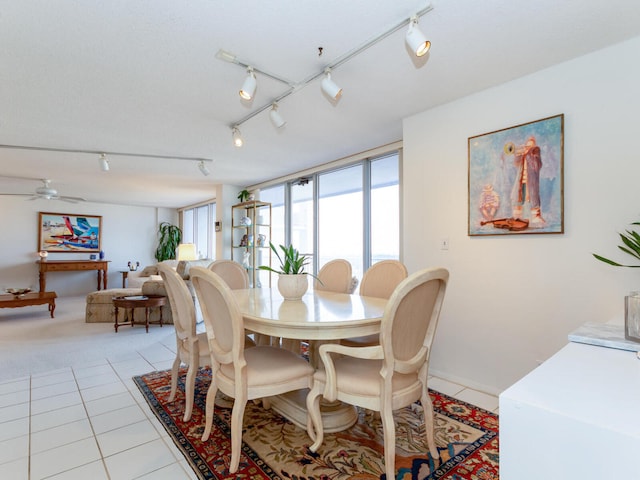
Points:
[[516, 179], [61, 232]]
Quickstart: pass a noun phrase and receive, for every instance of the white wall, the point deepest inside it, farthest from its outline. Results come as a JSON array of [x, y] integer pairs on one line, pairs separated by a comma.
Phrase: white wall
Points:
[[512, 300], [128, 234]]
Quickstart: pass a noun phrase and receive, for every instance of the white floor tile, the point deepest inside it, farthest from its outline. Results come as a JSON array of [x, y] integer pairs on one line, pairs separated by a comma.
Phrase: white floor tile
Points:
[[14, 398], [94, 471], [15, 386], [16, 470], [54, 403], [174, 471], [479, 399], [157, 353], [44, 380], [14, 412], [163, 365], [124, 438], [50, 373], [14, 449], [98, 379], [190, 473], [135, 365], [117, 419], [110, 403], [53, 390], [64, 458], [444, 386], [58, 417], [138, 461], [14, 428], [90, 371], [60, 435], [101, 391]]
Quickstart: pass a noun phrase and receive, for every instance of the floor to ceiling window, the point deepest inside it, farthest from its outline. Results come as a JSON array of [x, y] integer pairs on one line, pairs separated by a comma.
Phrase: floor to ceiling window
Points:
[[351, 212], [198, 227]]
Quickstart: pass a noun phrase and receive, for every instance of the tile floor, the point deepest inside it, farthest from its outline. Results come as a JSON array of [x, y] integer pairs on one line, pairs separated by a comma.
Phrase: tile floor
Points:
[[91, 421]]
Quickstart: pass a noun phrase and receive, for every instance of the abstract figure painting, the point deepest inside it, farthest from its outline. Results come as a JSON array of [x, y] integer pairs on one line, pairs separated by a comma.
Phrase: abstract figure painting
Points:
[[59, 232], [516, 179]]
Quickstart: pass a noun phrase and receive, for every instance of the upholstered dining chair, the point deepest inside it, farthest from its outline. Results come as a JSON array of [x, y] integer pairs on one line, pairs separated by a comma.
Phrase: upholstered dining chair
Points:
[[192, 349], [236, 277], [380, 280], [244, 374], [335, 276], [392, 374]]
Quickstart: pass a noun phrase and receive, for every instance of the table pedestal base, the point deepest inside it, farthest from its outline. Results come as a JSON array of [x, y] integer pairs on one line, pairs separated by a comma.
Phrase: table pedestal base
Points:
[[336, 416]]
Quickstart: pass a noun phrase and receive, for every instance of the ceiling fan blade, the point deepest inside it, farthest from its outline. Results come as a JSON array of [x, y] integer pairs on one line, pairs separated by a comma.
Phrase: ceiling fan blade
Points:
[[72, 199]]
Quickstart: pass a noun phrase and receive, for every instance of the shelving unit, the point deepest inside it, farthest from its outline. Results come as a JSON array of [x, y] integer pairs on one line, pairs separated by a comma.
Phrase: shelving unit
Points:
[[250, 235]]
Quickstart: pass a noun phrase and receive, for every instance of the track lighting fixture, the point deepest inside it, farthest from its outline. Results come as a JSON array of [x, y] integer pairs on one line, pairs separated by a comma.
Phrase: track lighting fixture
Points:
[[249, 86], [104, 163], [203, 168], [275, 116], [329, 87], [237, 137], [415, 39]]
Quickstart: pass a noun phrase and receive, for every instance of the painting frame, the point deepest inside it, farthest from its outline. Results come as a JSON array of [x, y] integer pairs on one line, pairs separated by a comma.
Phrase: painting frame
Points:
[[69, 232], [516, 179]]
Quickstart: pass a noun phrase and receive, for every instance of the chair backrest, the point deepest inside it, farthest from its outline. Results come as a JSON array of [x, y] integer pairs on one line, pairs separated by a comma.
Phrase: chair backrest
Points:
[[233, 273], [335, 277], [222, 318], [410, 320], [382, 278], [181, 301]]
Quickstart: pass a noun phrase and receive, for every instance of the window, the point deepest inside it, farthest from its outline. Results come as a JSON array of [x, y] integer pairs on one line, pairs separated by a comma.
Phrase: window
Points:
[[355, 211], [197, 227]]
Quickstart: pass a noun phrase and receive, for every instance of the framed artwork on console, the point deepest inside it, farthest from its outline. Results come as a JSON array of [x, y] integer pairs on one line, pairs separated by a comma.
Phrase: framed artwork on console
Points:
[[63, 232], [516, 179]]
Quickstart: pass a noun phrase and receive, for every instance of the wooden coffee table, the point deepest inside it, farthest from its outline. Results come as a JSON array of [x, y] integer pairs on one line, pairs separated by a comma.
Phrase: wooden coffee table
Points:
[[28, 299], [131, 302]]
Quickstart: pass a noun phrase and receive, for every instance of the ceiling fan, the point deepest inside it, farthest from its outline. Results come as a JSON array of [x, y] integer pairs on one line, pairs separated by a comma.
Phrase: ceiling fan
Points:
[[47, 192]]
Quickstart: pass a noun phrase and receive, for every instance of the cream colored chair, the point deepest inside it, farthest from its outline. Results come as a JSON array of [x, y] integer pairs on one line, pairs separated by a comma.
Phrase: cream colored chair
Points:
[[379, 281], [390, 375], [192, 349], [249, 374], [335, 276]]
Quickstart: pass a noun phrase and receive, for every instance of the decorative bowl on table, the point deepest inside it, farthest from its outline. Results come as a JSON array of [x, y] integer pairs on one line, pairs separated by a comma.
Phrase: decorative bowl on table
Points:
[[18, 292]]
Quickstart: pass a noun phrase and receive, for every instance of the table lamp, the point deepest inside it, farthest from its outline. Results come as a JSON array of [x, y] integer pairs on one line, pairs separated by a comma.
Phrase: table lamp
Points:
[[186, 251]]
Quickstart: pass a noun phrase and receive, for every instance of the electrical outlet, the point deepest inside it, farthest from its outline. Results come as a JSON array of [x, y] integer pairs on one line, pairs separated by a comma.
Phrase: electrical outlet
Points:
[[444, 243]]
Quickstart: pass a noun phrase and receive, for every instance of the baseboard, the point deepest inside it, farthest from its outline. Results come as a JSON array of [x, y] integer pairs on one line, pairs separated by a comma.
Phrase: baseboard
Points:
[[488, 389]]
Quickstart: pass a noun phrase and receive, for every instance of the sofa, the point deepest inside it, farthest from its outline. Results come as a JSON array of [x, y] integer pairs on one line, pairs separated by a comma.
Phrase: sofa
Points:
[[99, 305]]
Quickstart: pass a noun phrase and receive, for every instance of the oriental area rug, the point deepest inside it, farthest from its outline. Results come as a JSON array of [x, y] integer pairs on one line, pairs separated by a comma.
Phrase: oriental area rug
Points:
[[273, 448]]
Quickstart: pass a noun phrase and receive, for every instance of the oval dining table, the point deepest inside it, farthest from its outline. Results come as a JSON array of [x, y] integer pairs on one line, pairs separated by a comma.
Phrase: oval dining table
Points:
[[318, 317]]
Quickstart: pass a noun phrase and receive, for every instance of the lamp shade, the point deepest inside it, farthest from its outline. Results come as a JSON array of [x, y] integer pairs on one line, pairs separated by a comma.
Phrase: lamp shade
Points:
[[249, 86], [186, 251], [330, 88], [276, 118], [416, 40]]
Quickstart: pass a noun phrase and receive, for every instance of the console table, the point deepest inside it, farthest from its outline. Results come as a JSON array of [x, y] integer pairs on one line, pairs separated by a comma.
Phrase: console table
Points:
[[73, 265]]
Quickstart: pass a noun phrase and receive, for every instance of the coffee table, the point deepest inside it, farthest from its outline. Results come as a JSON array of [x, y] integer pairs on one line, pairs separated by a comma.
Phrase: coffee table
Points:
[[28, 299], [130, 303]]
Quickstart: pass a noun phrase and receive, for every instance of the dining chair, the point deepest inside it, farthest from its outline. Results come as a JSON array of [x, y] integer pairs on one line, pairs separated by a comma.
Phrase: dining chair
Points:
[[392, 374], [380, 280], [335, 276], [244, 374], [236, 277], [192, 348]]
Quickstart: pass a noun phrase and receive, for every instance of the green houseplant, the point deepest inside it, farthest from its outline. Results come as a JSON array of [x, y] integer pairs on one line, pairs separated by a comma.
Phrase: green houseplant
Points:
[[169, 237], [243, 196], [630, 246], [292, 279]]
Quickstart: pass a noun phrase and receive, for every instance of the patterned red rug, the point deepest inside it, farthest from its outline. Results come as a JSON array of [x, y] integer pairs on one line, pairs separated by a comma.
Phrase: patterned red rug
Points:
[[274, 448]]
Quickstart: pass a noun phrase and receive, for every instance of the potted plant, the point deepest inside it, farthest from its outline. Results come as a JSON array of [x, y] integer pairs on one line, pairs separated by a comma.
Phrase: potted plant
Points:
[[631, 246], [169, 237], [243, 196], [292, 279]]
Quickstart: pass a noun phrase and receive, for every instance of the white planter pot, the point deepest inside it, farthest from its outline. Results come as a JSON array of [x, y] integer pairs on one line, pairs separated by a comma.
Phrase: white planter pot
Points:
[[293, 287]]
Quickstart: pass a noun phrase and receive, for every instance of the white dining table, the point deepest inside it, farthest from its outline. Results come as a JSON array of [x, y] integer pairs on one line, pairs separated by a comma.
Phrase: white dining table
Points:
[[318, 317]]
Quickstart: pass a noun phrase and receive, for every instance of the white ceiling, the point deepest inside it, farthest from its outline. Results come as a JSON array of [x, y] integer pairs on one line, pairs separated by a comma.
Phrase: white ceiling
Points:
[[142, 77]]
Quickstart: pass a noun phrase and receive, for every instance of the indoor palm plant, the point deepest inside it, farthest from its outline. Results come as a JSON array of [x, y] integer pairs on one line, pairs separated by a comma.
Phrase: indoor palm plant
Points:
[[631, 246], [292, 279], [169, 237]]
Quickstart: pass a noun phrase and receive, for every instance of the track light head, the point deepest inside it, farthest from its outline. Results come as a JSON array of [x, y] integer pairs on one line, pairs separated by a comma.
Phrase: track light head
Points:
[[203, 168], [103, 162], [329, 87], [275, 116], [416, 40], [249, 86], [237, 137]]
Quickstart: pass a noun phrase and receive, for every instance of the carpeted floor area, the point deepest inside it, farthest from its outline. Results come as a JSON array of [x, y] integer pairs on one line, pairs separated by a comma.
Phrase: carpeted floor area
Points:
[[273, 448]]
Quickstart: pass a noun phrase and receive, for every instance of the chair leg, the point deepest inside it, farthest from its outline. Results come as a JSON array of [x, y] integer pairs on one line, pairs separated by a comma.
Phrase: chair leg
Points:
[[174, 378], [389, 435], [189, 388], [314, 418], [427, 407], [209, 407], [237, 414]]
